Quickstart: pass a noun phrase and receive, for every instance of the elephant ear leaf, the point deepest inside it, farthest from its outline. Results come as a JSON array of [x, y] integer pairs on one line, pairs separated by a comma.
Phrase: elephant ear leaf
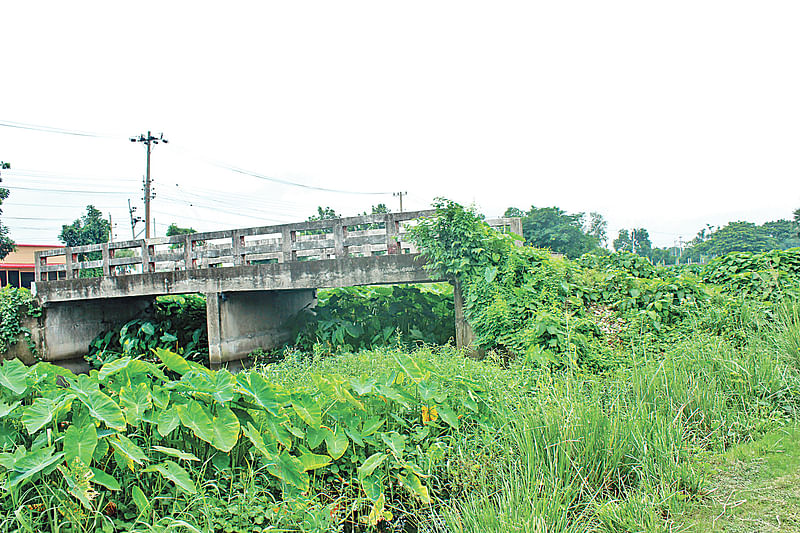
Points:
[[173, 472], [31, 464], [289, 469], [80, 443], [14, 376], [38, 414]]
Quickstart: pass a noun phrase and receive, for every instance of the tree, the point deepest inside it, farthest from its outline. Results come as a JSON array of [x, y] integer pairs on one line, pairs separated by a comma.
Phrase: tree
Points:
[[6, 244], [623, 242], [783, 231], [597, 227], [636, 240], [326, 213], [738, 236], [91, 228], [174, 229], [554, 228]]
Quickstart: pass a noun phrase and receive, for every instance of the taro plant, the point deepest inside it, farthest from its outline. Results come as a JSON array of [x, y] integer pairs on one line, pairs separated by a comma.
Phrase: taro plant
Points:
[[135, 431]]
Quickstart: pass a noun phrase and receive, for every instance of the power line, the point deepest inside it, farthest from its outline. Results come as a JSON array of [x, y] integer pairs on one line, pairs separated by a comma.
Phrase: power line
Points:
[[16, 187], [50, 129], [238, 170], [219, 164]]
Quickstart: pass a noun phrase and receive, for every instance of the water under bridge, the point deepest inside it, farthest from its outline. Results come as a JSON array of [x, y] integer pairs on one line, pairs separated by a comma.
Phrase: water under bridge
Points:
[[254, 279]]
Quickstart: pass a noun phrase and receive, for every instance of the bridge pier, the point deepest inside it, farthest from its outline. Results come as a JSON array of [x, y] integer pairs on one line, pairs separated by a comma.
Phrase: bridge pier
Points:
[[242, 321], [67, 328]]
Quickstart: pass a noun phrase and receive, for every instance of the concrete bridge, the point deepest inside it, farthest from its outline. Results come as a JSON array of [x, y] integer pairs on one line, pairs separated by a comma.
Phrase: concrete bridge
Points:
[[254, 279]]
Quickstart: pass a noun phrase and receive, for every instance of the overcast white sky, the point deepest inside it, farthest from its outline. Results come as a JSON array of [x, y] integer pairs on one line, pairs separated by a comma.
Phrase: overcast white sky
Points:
[[667, 115]]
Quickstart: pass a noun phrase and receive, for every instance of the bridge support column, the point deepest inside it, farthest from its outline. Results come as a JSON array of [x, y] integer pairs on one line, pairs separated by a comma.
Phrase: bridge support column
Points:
[[69, 327], [465, 337], [240, 322]]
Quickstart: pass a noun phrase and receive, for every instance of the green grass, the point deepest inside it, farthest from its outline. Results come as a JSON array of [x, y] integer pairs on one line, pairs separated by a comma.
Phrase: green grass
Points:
[[754, 487]]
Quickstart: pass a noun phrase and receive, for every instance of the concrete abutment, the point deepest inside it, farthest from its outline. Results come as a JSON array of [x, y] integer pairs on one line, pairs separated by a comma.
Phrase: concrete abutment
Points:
[[240, 322]]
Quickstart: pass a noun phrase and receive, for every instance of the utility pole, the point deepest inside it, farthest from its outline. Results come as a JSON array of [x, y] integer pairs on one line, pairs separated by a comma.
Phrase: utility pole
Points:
[[111, 225], [400, 194], [148, 141], [134, 220]]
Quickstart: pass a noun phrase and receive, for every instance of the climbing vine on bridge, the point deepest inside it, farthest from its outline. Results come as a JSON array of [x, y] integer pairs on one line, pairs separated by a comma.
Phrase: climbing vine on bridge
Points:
[[15, 305]]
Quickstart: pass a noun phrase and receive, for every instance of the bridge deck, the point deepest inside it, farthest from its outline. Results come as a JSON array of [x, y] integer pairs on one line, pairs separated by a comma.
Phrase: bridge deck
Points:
[[365, 250], [345, 272]]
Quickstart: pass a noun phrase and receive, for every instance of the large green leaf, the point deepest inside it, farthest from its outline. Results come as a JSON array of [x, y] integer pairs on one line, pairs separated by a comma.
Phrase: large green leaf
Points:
[[173, 472], [109, 369], [103, 408], [257, 439], [101, 478], [168, 420], [173, 361], [194, 417], [308, 409], [38, 414], [135, 400], [5, 409], [396, 443], [78, 484], [266, 395], [278, 430], [312, 461], [337, 443], [226, 429], [30, 464], [13, 376], [80, 442], [128, 450], [314, 437], [448, 415], [413, 483], [289, 468], [141, 501], [174, 452], [372, 462]]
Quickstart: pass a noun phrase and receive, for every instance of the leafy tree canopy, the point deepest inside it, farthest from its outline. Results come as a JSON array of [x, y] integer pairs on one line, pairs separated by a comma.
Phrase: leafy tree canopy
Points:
[[91, 228], [6, 244], [737, 237], [324, 213], [555, 229], [174, 229], [637, 240]]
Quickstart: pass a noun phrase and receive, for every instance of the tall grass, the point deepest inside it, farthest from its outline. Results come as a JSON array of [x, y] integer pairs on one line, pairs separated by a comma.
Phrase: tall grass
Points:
[[615, 453]]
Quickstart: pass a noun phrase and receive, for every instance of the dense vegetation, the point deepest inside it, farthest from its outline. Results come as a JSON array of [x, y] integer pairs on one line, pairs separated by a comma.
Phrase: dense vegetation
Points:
[[605, 381]]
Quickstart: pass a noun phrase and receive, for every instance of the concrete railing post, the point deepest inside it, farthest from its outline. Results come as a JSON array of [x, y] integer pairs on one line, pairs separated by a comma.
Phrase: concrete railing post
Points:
[[37, 266], [68, 261], [237, 241], [188, 248], [339, 233], [214, 327], [392, 235], [106, 259], [288, 238]]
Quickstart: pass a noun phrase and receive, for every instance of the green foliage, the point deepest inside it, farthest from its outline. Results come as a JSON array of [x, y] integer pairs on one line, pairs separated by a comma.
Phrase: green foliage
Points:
[[112, 434], [356, 318], [554, 229], [736, 237], [762, 276], [528, 303], [177, 322], [16, 304], [174, 229], [6, 244], [91, 228], [636, 241]]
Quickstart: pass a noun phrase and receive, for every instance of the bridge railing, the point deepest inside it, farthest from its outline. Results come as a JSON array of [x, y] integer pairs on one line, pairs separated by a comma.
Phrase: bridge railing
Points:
[[312, 240]]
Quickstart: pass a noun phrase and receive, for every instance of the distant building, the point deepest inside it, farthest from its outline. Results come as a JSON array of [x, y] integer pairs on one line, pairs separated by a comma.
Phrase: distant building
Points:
[[17, 267]]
